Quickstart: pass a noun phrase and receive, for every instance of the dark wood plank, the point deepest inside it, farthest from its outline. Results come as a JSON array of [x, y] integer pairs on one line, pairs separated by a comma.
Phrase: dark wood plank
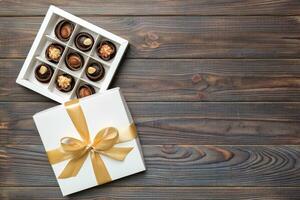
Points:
[[198, 166], [178, 36], [185, 80], [108, 192], [179, 123], [186, 131], [154, 7]]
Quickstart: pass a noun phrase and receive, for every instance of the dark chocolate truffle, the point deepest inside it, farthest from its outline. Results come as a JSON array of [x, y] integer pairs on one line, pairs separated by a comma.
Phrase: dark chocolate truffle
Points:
[[74, 61], [95, 71], [84, 41], [43, 73], [106, 50], [85, 90], [65, 82], [54, 52], [63, 30]]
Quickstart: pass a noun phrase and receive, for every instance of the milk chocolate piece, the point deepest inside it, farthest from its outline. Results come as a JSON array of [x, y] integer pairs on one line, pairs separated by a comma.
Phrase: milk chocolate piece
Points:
[[43, 73], [64, 82], [74, 61], [84, 41], [106, 50], [85, 90], [63, 30], [54, 52], [95, 71]]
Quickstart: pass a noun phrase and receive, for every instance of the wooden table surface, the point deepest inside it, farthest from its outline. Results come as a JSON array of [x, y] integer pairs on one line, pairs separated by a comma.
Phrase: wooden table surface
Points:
[[214, 87]]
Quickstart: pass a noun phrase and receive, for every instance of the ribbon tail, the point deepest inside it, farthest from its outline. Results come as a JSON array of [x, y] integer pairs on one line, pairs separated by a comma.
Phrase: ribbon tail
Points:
[[73, 167], [100, 171], [75, 113], [117, 153], [58, 155]]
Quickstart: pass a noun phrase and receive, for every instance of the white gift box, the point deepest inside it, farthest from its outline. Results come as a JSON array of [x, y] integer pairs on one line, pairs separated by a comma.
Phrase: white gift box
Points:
[[46, 36], [106, 109]]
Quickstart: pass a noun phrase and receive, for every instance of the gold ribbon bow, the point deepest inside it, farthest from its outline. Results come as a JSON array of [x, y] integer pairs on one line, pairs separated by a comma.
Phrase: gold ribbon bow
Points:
[[103, 144]]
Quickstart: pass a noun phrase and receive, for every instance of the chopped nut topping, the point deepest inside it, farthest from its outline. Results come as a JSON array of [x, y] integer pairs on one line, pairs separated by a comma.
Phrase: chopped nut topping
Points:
[[64, 81], [91, 70], [43, 69], [54, 53], [87, 41], [106, 50]]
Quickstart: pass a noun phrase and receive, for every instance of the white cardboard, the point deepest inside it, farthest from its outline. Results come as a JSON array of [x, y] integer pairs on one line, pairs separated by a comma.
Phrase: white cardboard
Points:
[[101, 110], [37, 48]]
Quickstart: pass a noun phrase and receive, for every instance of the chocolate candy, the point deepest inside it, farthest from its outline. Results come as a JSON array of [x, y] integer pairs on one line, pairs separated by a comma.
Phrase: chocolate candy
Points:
[[84, 41], [85, 90], [63, 30], [106, 50], [65, 82], [43, 73], [95, 71], [54, 52], [74, 61]]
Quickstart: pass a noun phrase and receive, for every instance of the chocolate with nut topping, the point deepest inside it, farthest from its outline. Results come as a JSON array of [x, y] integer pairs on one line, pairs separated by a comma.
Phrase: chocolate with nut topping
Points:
[[84, 41], [106, 50], [85, 90], [54, 52], [64, 82], [95, 71], [43, 73], [74, 61], [63, 30]]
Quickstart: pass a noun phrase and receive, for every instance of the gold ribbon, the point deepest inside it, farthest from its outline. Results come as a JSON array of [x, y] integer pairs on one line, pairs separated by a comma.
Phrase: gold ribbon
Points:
[[78, 150]]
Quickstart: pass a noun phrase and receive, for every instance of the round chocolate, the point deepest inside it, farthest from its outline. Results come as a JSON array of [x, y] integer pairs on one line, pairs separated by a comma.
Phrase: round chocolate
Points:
[[74, 61], [106, 50], [64, 82], [95, 71], [63, 30], [54, 52], [85, 90], [84, 41], [43, 73]]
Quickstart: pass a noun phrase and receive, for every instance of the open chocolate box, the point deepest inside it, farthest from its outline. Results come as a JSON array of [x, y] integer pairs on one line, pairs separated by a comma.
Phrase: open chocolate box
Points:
[[71, 58]]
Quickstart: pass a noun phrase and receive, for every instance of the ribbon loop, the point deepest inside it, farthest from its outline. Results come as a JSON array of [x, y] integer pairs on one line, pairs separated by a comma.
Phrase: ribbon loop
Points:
[[70, 144], [106, 139]]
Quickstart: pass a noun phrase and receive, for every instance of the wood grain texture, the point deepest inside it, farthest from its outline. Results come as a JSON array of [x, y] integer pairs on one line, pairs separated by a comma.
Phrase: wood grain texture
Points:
[[154, 7], [108, 192], [212, 85], [178, 36], [198, 166], [185, 80], [179, 123]]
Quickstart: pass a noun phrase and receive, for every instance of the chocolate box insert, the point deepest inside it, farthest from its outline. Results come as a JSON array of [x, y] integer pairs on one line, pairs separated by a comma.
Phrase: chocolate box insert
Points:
[[66, 44]]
